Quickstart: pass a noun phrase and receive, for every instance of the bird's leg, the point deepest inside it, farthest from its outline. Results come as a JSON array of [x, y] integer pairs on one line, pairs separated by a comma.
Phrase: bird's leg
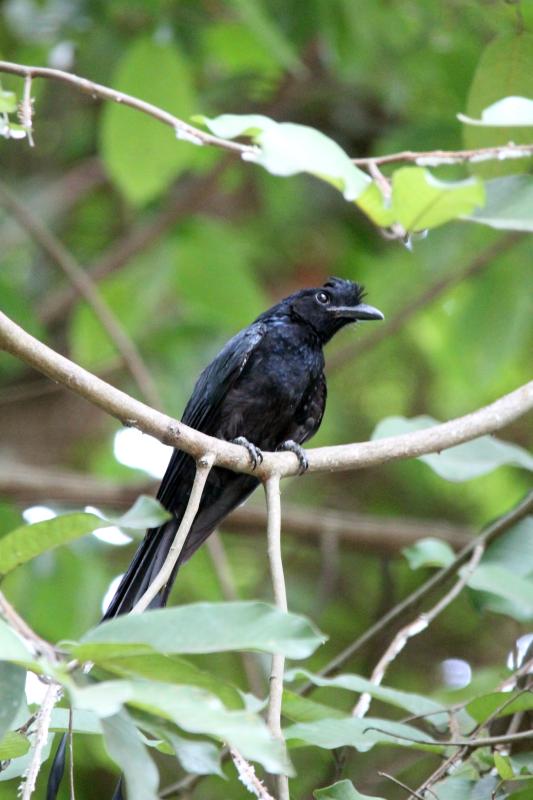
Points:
[[256, 456], [299, 452]]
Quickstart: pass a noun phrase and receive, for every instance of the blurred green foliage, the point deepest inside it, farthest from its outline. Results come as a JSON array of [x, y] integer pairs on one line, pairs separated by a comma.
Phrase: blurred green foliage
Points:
[[228, 240]]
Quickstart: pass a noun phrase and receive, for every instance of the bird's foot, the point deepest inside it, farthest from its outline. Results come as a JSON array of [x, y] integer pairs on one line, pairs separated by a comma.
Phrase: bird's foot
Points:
[[299, 452], [255, 454]]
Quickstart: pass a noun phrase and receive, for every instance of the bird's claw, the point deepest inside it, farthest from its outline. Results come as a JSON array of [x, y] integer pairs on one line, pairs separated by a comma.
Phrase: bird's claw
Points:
[[299, 452], [255, 454]]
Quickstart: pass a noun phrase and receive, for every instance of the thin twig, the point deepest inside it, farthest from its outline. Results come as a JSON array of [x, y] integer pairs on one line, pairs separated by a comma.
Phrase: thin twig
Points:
[[131, 412], [402, 785], [414, 628], [248, 777], [436, 158], [203, 468], [26, 110], [62, 258], [471, 744], [222, 568], [273, 503], [42, 728], [182, 129], [497, 528], [71, 756]]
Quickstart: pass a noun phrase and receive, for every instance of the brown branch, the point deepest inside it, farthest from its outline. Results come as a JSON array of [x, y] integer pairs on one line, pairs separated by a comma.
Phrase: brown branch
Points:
[[14, 340], [427, 296], [491, 533], [63, 259], [182, 129]]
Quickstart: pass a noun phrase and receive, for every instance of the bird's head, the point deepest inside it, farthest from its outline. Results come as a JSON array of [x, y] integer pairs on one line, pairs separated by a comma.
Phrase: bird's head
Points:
[[330, 307]]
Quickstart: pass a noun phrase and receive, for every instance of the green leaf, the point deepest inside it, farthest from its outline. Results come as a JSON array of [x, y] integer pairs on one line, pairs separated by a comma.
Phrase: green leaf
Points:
[[194, 710], [429, 552], [342, 790], [510, 111], [173, 669], [302, 709], [196, 757], [464, 461], [514, 549], [420, 201], [203, 628], [140, 153], [123, 744], [499, 704], [504, 767], [12, 683], [29, 541], [496, 580], [414, 703], [13, 745], [146, 512], [509, 204], [504, 69], [285, 148], [363, 734]]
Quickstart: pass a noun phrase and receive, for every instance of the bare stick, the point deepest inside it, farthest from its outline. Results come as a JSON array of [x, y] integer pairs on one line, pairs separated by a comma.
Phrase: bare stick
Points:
[[436, 158], [491, 533], [96, 90], [42, 727], [131, 412], [203, 468], [414, 628], [248, 777], [273, 503], [86, 288]]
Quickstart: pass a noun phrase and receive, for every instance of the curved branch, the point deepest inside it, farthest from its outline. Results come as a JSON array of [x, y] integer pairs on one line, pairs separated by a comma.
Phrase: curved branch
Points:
[[181, 128], [133, 413]]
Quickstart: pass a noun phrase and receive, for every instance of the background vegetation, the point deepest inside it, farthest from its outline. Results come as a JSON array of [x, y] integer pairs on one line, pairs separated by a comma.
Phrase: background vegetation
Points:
[[188, 244]]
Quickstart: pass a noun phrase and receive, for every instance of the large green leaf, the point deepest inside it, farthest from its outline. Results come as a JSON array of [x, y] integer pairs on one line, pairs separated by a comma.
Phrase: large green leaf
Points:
[[464, 461], [13, 745], [421, 201], [29, 541], [510, 111], [202, 628], [429, 553], [196, 757], [12, 647], [509, 204], [499, 704], [284, 148], [192, 709], [125, 748], [504, 69], [146, 512], [514, 590], [342, 790], [363, 734], [12, 682], [414, 703], [142, 155]]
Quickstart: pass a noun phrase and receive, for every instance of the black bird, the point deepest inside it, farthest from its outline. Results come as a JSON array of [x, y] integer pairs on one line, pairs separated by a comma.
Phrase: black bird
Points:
[[266, 389]]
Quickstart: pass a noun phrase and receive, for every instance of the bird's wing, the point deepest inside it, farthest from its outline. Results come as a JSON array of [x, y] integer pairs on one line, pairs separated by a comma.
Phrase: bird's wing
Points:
[[202, 410], [309, 413]]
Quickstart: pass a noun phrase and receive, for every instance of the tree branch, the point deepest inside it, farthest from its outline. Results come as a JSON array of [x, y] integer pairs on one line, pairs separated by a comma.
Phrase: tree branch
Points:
[[182, 129], [63, 259], [14, 340], [436, 158], [275, 696]]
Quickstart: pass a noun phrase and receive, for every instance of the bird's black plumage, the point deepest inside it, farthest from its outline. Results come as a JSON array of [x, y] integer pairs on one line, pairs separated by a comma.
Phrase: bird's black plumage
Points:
[[267, 384]]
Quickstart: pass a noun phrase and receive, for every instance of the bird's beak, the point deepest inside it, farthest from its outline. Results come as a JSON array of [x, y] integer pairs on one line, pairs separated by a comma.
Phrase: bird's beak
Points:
[[361, 311]]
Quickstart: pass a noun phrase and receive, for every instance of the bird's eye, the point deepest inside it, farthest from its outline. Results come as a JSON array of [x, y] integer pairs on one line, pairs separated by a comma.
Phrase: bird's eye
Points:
[[322, 298]]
